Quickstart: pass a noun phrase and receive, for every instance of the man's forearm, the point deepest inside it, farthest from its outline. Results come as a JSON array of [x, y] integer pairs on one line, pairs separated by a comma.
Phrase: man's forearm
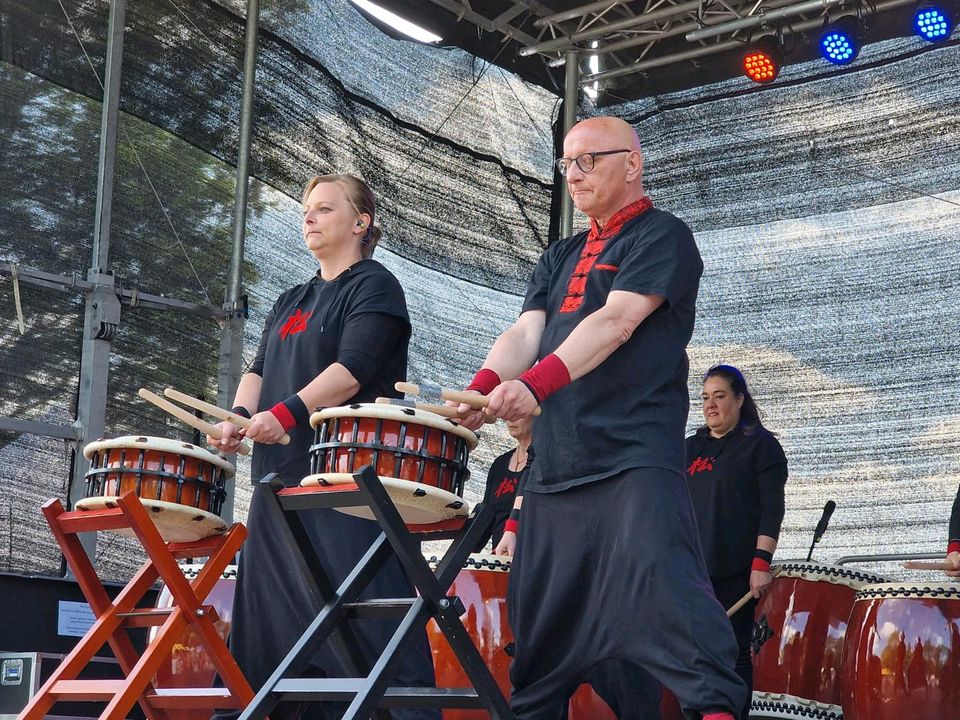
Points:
[[599, 335], [513, 352]]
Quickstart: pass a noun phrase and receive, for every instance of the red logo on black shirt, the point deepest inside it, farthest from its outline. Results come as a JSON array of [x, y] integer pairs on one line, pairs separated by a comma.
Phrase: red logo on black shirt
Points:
[[507, 486], [701, 464], [296, 323]]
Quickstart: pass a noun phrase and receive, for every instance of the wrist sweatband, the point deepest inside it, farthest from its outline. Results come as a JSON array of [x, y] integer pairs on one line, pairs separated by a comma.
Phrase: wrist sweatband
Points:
[[513, 522], [291, 412], [953, 546], [241, 411], [761, 561], [546, 377], [484, 381]]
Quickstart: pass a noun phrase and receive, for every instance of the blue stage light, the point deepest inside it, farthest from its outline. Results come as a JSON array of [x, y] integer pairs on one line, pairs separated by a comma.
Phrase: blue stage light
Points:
[[840, 42], [932, 23]]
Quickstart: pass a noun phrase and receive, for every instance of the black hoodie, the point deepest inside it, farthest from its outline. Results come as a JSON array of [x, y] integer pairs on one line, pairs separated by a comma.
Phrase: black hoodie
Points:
[[737, 486], [360, 320]]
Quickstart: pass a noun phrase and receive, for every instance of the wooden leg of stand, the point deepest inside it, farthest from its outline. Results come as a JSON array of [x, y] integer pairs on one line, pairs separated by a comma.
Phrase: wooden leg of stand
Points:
[[187, 610], [106, 628]]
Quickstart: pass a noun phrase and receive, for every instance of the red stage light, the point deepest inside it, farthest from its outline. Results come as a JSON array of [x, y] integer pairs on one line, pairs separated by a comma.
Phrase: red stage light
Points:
[[762, 60]]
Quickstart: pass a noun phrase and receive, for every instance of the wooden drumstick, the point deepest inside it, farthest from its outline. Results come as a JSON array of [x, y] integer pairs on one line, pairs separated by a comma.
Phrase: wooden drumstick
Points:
[[732, 610], [442, 410], [932, 565], [185, 417], [745, 599], [216, 411], [478, 402]]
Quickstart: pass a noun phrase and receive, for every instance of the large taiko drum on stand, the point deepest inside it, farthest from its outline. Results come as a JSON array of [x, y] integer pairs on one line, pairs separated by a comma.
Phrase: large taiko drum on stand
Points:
[[902, 653], [421, 457], [189, 666], [482, 588], [182, 485], [798, 636]]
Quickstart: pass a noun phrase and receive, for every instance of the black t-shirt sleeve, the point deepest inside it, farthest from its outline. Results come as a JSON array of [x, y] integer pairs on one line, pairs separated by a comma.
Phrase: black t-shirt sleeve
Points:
[[375, 324], [664, 261], [770, 487], [366, 340], [539, 286], [771, 473], [955, 519], [531, 456]]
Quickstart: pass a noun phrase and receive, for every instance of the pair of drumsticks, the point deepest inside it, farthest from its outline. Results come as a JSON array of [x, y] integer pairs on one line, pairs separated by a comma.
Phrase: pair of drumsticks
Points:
[[477, 402], [188, 418], [193, 421]]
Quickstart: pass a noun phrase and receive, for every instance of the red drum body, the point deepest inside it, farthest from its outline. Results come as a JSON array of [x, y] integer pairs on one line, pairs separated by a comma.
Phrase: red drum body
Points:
[[190, 666], [183, 485], [902, 654], [798, 637], [482, 588], [158, 469], [400, 443]]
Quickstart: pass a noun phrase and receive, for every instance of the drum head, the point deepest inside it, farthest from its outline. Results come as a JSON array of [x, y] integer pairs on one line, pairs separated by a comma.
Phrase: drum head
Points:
[[398, 414], [163, 445], [781, 705], [176, 523], [936, 591], [417, 503], [818, 572]]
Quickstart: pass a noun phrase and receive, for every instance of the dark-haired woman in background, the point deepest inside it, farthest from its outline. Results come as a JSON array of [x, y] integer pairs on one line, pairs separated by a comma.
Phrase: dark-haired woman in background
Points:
[[736, 471]]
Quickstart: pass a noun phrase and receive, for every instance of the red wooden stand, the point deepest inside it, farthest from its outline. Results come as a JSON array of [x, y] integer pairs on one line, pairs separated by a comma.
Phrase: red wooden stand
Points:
[[114, 618]]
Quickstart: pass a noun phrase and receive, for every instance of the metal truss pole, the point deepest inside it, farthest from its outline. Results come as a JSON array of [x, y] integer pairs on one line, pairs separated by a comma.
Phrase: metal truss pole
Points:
[[102, 316], [571, 96], [231, 338]]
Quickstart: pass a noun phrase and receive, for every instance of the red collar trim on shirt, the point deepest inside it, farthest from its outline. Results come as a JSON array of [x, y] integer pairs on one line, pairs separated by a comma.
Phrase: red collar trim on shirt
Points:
[[621, 216], [593, 247]]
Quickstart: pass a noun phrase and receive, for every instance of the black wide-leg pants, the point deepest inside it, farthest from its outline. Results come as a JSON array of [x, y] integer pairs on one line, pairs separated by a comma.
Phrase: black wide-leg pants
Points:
[[273, 606], [612, 570]]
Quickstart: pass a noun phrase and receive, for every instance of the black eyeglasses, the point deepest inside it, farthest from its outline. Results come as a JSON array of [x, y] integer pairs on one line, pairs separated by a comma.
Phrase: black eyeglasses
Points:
[[585, 161]]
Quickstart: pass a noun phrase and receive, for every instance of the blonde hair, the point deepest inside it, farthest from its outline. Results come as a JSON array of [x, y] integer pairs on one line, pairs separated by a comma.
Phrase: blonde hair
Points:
[[361, 199]]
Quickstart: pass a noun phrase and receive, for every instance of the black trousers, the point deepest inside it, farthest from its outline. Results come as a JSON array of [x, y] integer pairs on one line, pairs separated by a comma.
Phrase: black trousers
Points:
[[612, 570], [272, 605], [728, 591], [633, 694]]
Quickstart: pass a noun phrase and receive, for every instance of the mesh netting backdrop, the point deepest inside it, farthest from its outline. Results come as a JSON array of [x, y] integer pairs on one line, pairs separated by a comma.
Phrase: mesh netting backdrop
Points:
[[826, 280], [458, 152], [827, 208]]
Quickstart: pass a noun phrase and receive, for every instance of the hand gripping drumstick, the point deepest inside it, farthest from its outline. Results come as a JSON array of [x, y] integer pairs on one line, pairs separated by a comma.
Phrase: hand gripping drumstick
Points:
[[217, 412], [732, 610], [477, 402], [441, 410], [180, 414]]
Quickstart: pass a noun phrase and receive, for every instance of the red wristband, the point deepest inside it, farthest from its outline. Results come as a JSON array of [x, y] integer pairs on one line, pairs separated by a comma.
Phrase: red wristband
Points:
[[953, 546], [760, 565], [546, 377], [282, 413], [511, 525], [484, 381]]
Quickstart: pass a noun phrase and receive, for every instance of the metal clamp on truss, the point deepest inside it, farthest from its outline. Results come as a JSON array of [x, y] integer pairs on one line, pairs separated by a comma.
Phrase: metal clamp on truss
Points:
[[237, 308], [103, 314]]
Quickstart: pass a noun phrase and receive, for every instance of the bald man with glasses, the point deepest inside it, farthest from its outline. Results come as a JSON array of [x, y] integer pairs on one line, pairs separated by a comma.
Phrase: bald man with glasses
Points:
[[608, 565]]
